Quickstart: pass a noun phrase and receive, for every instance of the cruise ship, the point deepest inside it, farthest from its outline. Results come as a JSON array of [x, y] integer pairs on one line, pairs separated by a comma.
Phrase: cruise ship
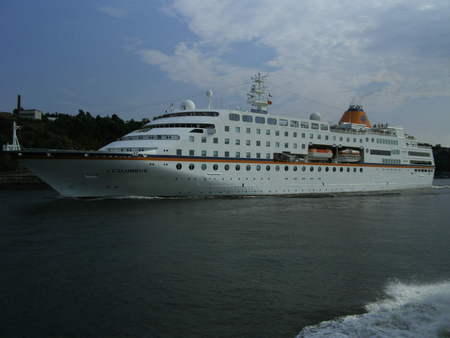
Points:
[[218, 152]]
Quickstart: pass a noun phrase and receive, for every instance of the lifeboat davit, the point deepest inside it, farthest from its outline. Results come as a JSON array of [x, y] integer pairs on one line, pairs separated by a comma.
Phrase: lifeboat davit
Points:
[[349, 155], [319, 154]]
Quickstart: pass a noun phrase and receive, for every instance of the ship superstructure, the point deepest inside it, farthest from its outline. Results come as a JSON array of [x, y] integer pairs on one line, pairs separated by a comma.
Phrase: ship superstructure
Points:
[[216, 152]]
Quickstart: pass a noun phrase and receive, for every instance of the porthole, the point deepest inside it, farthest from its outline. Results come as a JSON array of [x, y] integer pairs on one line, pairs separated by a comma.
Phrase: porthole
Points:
[[348, 170], [341, 169], [203, 166], [311, 168], [360, 170], [286, 168], [354, 170], [277, 168], [295, 168], [319, 169], [334, 169], [303, 168], [215, 166], [227, 167], [258, 167], [237, 167], [268, 167], [191, 166], [179, 166], [248, 167], [327, 169]]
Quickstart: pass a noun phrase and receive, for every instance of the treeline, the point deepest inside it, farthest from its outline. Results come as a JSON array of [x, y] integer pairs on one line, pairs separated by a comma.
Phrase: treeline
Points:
[[63, 131]]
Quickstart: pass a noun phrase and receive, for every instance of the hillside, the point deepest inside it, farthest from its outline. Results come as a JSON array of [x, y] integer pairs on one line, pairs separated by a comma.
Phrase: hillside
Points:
[[63, 131]]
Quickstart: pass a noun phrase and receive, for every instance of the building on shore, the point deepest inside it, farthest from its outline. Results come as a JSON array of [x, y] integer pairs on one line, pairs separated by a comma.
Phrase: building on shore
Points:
[[33, 114]]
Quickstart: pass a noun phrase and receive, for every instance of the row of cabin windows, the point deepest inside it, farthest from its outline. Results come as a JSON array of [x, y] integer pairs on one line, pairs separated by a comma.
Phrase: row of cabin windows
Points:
[[215, 153], [258, 143], [281, 122], [150, 137], [268, 167], [319, 136]]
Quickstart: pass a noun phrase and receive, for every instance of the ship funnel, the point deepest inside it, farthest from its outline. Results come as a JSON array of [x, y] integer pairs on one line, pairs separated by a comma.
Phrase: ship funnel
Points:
[[355, 114]]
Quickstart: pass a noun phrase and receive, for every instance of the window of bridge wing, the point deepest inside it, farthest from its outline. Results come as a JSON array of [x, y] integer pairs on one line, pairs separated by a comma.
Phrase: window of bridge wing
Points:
[[260, 119], [271, 120], [234, 117], [283, 122], [247, 118]]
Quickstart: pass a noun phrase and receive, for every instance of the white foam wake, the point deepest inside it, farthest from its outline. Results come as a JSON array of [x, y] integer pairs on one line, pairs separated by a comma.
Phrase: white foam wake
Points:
[[407, 311], [440, 186]]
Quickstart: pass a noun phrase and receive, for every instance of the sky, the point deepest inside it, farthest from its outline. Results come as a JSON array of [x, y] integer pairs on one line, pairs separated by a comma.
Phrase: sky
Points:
[[135, 58]]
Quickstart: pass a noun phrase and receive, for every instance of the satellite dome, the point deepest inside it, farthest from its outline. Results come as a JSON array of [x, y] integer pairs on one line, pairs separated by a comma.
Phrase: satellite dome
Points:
[[314, 117], [188, 105]]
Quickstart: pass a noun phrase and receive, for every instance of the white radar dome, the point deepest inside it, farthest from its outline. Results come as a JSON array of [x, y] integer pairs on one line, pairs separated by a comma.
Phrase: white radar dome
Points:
[[314, 117], [188, 105]]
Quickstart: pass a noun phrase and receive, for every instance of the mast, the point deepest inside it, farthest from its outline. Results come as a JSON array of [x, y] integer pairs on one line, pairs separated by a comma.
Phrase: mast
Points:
[[258, 96], [15, 146]]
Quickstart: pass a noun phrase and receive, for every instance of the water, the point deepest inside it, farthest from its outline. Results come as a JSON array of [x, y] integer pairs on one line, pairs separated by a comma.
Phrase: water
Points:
[[348, 266]]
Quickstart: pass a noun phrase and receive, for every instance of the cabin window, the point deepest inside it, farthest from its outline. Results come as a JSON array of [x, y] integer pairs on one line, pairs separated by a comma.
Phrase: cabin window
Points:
[[248, 130], [277, 144], [271, 120], [203, 166], [277, 133], [227, 141], [191, 138], [247, 118], [303, 146], [191, 152], [258, 143], [248, 155], [215, 140], [286, 145], [234, 117], [203, 139], [314, 126], [258, 131], [238, 154], [267, 143], [258, 155], [237, 142], [259, 119], [237, 129], [226, 154], [267, 131], [237, 167], [295, 145], [179, 152], [227, 167], [215, 166], [215, 153], [348, 170], [295, 134], [286, 133], [304, 125], [268, 155], [179, 166], [294, 124], [227, 128], [247, 142], [327, 169], [204, 153]]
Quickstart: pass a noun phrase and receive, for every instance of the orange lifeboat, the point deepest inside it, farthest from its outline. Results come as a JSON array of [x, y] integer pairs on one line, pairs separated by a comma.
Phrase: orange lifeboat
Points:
[[355, 114], [349, 155], [319, 154]]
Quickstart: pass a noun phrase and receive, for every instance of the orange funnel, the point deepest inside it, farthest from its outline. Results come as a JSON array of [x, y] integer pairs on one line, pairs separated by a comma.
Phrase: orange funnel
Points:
[[355, 114]]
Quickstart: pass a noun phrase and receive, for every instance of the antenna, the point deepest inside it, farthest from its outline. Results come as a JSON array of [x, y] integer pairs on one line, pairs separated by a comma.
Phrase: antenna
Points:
[[258, 96], [209, 95]]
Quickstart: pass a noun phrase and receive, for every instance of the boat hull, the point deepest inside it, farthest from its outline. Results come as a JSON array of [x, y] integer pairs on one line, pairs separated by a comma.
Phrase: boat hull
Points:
[[146, 176]]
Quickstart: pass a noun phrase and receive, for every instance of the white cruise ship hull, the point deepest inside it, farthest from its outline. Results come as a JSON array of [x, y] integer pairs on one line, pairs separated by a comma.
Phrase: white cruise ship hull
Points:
[[171, 176]]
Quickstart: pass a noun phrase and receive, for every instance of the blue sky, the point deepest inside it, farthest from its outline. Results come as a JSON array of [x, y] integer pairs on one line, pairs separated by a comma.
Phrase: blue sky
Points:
[[136, 57]]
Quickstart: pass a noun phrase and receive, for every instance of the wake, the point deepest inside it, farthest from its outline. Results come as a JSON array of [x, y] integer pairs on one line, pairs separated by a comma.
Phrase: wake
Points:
[[408, 310]]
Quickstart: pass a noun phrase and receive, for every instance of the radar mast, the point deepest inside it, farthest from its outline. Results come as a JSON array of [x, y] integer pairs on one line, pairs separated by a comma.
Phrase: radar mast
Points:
[[258, 96]]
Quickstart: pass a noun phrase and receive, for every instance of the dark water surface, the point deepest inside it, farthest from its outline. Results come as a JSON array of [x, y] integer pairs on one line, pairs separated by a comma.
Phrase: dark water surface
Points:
[[252, 267]]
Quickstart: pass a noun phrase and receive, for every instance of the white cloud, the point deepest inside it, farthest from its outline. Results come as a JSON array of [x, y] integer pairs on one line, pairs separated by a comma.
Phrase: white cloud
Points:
[[323, 50], [113, 11]]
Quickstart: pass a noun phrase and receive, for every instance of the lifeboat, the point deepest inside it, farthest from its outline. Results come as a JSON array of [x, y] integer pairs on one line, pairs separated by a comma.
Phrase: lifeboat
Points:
[[319, 154], [349, 155]]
